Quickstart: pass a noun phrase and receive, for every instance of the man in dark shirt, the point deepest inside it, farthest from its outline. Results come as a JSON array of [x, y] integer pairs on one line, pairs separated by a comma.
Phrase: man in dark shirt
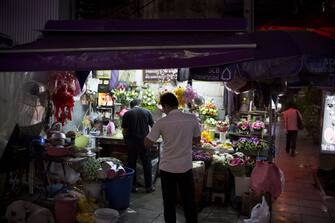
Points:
[[135, 125]]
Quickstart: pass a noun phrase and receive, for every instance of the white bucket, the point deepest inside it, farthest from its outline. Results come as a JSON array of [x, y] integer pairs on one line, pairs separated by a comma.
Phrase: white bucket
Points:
[[106, 215]]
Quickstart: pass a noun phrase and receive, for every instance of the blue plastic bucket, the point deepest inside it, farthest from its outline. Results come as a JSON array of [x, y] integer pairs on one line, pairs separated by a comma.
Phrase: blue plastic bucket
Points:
[[118, 190]]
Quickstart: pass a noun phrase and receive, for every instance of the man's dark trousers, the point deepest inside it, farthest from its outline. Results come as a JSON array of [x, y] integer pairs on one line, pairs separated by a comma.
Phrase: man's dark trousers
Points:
[[136, 149], [185, 184]]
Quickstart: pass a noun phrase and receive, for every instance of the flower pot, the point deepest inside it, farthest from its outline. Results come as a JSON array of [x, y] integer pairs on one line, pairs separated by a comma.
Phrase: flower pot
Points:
[[92, 189]]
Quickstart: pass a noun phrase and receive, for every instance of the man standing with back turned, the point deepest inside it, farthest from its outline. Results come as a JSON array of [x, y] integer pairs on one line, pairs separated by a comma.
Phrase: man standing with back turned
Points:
[[179, 131], [135, 124]]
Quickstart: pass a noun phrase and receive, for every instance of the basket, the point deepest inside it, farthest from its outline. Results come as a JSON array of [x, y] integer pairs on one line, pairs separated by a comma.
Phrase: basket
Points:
[[237, 171]]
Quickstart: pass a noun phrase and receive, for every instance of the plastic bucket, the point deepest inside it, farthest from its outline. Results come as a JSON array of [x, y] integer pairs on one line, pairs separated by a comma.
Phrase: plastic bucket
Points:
[[65, 208], [106, 215], [118, 190]]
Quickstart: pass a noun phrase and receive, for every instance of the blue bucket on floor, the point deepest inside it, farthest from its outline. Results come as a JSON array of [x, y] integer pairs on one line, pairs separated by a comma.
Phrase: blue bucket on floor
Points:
[[118, 190]]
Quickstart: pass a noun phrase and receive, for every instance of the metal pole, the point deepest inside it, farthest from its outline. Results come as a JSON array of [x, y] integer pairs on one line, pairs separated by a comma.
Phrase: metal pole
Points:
[[249, 14]]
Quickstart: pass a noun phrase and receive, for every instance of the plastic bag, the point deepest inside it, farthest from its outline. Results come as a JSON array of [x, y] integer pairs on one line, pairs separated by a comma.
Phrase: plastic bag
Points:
[[260, 213], [57, 173]]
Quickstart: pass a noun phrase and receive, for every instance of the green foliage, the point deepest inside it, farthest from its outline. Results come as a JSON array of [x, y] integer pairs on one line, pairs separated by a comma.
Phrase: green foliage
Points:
[[309, 103], [90, 168]]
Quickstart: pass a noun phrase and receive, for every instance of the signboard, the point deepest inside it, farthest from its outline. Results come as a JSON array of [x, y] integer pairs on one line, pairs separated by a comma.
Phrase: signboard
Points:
[[320, 65], [219, 73], [328, 127], [103, 74], [161, 75]]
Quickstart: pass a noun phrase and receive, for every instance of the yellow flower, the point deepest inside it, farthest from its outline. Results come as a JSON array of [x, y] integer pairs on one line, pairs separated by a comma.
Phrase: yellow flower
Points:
[[179, 92]]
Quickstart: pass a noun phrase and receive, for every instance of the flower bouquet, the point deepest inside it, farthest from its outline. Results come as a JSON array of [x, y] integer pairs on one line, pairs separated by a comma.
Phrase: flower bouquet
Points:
[[257, 126], [210, 122], [243, 126], [201, 155], [221, 160], [206, 137], [132, 95], [189, 95], [209, 110], [222, 126], [148, 99], [237, 165], [121, 96], [179, 92], [251, 146]]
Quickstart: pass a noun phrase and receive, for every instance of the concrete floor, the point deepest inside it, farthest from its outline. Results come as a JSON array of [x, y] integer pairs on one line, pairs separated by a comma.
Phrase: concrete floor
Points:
[[301, 202], [148, 208]]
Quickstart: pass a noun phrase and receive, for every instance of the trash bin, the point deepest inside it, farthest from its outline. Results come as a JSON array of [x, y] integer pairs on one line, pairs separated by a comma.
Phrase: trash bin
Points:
[[118, 190], [65, 208]]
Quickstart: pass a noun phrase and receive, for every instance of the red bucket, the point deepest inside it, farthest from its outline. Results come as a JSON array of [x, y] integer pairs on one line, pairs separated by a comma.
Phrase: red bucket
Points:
[[65, 208]]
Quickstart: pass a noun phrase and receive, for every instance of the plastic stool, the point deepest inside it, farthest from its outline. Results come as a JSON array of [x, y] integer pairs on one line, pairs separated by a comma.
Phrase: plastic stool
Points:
[[220, 195]]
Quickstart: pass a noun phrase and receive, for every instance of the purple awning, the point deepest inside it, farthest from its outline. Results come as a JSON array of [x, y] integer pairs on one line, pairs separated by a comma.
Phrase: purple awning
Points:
[[154, 44], [284, 54], [80, 45]]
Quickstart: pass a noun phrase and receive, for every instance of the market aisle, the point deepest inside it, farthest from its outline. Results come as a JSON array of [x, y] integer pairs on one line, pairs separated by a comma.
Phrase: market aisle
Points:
[[301, 201]]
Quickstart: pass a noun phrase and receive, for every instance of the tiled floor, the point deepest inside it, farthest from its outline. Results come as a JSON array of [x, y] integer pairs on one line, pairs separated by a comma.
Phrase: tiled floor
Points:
[[301, 201]]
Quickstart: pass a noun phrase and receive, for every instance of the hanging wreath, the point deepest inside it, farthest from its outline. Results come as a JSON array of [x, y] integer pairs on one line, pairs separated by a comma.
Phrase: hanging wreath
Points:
[[63, 86]]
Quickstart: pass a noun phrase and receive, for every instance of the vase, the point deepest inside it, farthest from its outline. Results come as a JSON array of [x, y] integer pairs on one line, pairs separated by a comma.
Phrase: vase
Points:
[[211, 132], [92, 189], [223, 136]]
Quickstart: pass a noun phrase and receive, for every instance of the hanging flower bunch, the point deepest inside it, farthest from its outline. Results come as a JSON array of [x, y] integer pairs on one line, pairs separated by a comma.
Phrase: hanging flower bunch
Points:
[[222, 126], [179, 92], [209, 110], [258, 125], [148, 99], [63, 86], [189, 94], [243, 125]]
